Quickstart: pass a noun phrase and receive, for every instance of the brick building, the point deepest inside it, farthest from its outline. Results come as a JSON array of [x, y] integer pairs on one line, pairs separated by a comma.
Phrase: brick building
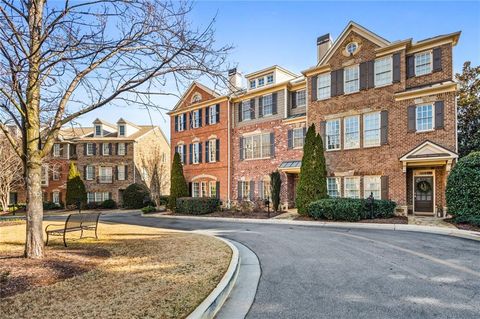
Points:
[[200, 134], [386, 112]]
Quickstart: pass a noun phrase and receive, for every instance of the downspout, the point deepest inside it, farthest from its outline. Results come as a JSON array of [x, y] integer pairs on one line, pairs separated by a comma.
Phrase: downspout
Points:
[[229, 155]]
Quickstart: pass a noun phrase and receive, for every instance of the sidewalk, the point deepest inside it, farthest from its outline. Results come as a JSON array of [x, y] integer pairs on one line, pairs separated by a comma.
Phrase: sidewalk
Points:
[[429, 221]]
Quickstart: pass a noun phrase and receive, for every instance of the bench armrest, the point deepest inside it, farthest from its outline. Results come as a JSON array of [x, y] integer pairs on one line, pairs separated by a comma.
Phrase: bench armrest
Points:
[[46, 228]]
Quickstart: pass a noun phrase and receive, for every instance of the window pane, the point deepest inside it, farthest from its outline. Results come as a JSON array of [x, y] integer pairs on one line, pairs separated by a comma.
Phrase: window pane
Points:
[[323, 86], [333, 187], [333, 134], [371, 129], [383, 71], [351, 79], [298, 138], [372, 184], [212, 113], [352, 131], [352, 187], [424, 117], [267, 104], [423, 63], [301, 99], [246, 110]]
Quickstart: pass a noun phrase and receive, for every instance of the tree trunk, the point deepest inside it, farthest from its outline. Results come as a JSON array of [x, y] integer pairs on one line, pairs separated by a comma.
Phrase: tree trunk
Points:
[[34, 243]]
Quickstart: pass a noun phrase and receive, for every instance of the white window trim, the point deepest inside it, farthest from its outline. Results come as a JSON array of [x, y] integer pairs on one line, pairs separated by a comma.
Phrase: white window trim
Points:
[[415, 62], [329, 74], [379, 128], [180, 123], [212, 145], [433, 118], [95, 130], [258, 81], [273, 79], [252, 84], [196, 119], [293, 138], [197, 152], [105, 178], [365, 194], [249, 110], [261, 147], [118, 150], [305, 99], [56, 150], [196, 194], [214, 184], [338, 183], [357, 180], [357, 66], [57, 199], [263, 105], [108, 149], [124, 130], [88, 152], [122, 175], [375, 72], [345, 146], [55, 173], [212, 114], [339, 135], [87, 176]]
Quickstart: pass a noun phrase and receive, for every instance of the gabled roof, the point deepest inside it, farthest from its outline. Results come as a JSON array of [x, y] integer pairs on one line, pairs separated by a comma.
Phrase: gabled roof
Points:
[[190, 89], [428, 150], [122, 121], [353, 26], [270, 69], [99, 121]]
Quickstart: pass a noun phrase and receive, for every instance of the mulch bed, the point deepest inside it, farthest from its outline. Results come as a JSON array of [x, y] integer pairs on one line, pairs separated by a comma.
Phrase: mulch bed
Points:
[[18, 274], [235, 214], [392, 220], [463, 226]]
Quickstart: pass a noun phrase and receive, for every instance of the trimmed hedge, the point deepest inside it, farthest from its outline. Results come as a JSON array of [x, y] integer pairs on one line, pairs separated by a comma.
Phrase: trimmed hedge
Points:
[[463, 189], [350, 209], [197, 205], [108, 204], [149, 209], [136, 196]]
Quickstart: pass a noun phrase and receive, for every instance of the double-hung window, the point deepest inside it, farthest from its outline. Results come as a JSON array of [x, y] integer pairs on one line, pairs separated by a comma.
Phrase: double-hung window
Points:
[[424, 117], [423, 63], [371, 129], [323, 86], [372, 185], [44, 173], [333, 186], [106, 149], [121, 149], [56, 172], [245, 187], [351, 79], [267, 105], [301, 98], [121, 130], [212, 149], [333, 134], [98, 130], [121, 172], [181, 122], [298, 137], [195, 189], [56, 197], [90, 149], [89, 172], [196, 153], [383, 71], [352, 132], [257, 146], [180, 152], [105, 174], [212, 114], [56, 150], [196, 119], [213, 189], [204, 189], [246, 115], [352, 187], [90, 197]]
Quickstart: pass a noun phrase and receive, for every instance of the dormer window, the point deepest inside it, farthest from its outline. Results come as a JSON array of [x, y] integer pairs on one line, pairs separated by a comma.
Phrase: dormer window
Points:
[[253, 84], [98, 130], [121, 130], [261, 82], [270, 79]]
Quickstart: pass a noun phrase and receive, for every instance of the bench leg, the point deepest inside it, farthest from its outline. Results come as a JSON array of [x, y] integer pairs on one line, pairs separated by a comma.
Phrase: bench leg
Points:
[[64, 241], [96, 237], [46, 244], [81, 233]]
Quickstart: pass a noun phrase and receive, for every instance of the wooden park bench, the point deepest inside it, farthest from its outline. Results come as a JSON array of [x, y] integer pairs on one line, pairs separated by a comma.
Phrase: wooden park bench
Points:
[[74, 222]]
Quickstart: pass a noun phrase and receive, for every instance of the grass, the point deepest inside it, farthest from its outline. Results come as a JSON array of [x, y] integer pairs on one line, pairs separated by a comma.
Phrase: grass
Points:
[[147, 273]]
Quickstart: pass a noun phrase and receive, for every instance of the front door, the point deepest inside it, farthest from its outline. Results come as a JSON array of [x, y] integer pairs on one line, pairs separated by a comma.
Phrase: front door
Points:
[[423, 194]]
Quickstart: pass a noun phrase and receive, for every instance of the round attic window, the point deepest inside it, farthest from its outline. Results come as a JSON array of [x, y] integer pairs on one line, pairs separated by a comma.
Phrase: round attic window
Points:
[[352, 47], [196, 98]]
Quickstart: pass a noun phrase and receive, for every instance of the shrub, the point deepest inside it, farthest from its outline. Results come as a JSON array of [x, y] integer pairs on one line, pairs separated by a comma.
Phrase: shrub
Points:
[[136, 196], [108, 204], [75, 188], [178, 185], [163, 200], [349, 209], [197, 205], [275, 187], [463, 188], [149, 209], [92, 205], [50, 206]]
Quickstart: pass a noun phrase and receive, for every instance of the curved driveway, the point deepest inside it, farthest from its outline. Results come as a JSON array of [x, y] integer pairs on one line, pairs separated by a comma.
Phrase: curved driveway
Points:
[[317, 272]]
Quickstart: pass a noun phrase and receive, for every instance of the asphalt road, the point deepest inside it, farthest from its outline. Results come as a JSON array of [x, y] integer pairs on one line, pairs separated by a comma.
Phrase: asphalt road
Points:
[[314, 272]]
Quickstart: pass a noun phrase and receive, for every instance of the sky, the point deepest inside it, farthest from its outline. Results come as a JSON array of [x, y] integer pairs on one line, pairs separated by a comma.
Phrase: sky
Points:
[[285, 32]]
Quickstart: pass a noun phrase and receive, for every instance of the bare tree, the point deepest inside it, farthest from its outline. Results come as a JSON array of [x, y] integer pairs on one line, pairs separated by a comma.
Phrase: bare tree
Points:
[[62, 59], [11, 171], [155, 173]]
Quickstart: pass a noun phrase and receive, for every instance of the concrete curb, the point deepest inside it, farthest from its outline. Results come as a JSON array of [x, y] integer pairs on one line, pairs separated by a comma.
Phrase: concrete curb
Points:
[[214, 301], [466, 234]]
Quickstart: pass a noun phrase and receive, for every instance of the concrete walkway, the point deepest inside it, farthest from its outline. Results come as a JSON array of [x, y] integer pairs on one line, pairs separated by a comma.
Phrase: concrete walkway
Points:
[[429, 221]]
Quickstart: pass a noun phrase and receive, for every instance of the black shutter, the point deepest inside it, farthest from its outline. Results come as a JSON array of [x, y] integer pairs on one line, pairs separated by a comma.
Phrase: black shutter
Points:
[[314, 88], [252, 108], [363, 75], [85, 173], [190, 120], [439, 114], [101, 149], [410, 66], [239, 191], [217, 114], [94, 148], [126, 144], [290, 139], [274, 103], [190, 189], [217, 189], [125, 168], [437, 59], [252, 190], [293, 96], [261, 195], [371, 74], [239, 112], [199, 152], [384, 127], [184, 159], [200, 118], [84, 149], [206, 152], [110, 146], [184, 126], [190, 148], [272, 144], [241, 148], [333, 83], [176, 123], [94, 172], [217, 154], [207, 116], [116, 173], [323, 135], [396, 67], [340, 82], [384, 187], [411, 118], [116, 148], [260, 107]]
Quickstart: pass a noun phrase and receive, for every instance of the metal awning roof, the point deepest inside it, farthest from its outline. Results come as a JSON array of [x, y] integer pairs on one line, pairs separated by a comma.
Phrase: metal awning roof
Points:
[[290, 165]]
